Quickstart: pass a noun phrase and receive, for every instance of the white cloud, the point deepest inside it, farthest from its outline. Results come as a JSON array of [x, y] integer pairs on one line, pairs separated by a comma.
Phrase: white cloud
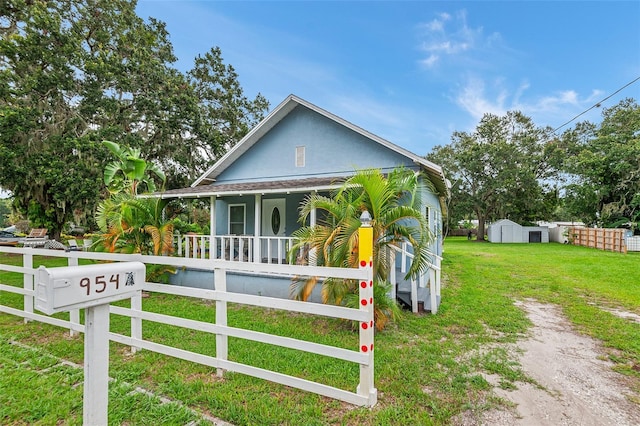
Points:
[[437, 25], [477, 97], [520, 91], [565, 101], [445, 36], [430, 61], [473, 99]]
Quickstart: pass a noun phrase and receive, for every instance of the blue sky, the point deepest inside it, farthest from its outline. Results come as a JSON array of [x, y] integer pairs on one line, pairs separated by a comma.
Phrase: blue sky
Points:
[[413, 72]]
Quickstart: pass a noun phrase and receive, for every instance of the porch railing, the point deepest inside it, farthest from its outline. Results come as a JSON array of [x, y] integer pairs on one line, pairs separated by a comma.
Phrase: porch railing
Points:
[[432, 276], [273, 250], [239, 248]]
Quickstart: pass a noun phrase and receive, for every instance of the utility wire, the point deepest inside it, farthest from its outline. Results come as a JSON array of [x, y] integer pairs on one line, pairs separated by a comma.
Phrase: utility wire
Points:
[[597, 104]]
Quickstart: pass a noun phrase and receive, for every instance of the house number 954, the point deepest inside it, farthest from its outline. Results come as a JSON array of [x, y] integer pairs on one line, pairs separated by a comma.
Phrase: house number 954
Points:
[[99, 283]]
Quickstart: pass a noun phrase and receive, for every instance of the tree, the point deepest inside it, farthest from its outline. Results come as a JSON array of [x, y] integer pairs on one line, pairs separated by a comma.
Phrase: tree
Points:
[[75, 73], [224, 114], [502, 169], [132, 225], [5, 211], [604, 166], [394, 202], [71, 73]]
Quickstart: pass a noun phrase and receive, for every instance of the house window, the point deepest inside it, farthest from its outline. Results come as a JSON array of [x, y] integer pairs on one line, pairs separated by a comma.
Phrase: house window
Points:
[[300, 156], [237, 219], [434, 220]]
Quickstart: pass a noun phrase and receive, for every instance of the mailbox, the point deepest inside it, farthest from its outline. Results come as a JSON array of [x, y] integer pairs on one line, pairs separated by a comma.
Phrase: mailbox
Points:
[[74, 287]]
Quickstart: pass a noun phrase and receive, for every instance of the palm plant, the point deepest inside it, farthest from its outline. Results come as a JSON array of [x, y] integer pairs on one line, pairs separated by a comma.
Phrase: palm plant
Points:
[[394, 202], [130, 170], [130, 224]]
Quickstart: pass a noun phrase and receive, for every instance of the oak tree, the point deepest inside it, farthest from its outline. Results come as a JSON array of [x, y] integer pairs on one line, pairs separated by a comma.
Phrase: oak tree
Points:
[[500, 170], [75, 73], [603, 162]]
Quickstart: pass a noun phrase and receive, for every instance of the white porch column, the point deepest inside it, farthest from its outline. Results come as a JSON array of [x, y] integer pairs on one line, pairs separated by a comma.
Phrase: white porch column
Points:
[[213, 249], [393, 271], [257, 256]]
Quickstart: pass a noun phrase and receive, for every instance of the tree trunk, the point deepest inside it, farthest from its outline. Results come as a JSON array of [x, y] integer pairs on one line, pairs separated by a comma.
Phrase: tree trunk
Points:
[[480, 234]]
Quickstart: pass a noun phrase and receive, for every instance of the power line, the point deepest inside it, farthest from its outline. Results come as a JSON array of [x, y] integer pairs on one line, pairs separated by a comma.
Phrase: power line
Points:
[[596, 105]]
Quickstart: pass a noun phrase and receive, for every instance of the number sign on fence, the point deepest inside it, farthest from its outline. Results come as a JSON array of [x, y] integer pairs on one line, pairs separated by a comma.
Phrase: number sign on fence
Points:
[[74, 287]]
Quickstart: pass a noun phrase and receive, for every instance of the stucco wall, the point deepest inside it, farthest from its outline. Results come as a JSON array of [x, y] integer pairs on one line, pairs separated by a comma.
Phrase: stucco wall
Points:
[[238, 282], [330, 149]]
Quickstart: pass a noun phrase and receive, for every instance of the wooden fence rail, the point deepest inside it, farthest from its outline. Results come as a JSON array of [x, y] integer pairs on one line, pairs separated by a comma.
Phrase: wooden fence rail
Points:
[[599, 238]]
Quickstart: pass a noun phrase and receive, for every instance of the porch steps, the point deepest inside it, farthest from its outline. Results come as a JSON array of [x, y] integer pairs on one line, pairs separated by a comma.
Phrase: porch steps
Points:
[[403, 295]]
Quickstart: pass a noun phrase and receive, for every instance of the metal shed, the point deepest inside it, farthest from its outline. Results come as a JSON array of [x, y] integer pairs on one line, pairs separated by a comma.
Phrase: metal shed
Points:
[[508, 231]]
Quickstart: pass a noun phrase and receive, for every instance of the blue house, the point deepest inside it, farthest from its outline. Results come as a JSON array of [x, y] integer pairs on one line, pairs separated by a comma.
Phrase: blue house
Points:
[[255, 189]]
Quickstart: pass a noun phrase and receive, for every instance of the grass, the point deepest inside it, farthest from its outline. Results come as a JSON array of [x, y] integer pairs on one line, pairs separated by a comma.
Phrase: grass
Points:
[[428, 368]]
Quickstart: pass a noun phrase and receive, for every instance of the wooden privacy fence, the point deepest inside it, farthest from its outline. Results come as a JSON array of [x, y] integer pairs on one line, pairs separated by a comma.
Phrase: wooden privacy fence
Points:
[[365, 393], [599, 238]]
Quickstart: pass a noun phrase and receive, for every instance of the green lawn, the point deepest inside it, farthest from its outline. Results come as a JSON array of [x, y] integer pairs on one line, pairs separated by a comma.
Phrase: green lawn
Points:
[[427, 367]]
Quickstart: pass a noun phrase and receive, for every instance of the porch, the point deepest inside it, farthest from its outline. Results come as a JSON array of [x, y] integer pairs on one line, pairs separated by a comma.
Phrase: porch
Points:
[[254, 222]]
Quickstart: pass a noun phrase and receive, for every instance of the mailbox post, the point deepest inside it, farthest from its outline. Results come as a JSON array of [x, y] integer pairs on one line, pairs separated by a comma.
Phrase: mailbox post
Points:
[[91, 287]]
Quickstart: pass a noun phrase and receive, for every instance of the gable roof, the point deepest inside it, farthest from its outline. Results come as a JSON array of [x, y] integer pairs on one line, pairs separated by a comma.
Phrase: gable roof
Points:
[[435, 172], [506, 222]]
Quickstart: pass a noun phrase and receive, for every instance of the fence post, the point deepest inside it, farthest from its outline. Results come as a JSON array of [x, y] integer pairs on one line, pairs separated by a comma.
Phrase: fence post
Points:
[[96, 366], [222, 346], [27, 280], [74, 314], [393, 273], [365, 256], [136, 321], [438, 275], [433, 291]]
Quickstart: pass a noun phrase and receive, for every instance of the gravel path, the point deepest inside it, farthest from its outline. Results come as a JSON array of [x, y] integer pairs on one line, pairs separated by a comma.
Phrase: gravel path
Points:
[[579, 387]]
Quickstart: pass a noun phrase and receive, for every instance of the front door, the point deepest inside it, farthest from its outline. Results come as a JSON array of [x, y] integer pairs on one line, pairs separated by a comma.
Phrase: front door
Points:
[[273, 225]]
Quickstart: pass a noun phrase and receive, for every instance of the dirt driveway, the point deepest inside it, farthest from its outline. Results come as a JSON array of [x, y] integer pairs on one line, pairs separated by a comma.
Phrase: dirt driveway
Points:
[[577, 386]]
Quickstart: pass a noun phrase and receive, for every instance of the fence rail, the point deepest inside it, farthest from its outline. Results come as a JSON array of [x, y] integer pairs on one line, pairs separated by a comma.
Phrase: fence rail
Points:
[[365, 393], [599, 238]]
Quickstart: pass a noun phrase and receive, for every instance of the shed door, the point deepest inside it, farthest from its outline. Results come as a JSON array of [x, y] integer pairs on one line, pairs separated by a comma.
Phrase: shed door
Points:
[[507, 233], [535, 236]]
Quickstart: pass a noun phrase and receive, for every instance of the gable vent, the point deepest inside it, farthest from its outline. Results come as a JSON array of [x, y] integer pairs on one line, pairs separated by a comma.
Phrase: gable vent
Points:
[[300, 156]]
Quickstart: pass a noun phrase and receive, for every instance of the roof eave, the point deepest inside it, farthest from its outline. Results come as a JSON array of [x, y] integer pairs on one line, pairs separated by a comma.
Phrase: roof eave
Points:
[[207, 194]]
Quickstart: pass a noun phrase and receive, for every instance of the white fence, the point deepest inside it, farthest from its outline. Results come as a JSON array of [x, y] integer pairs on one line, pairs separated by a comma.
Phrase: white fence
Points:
[[633, 243], [365, 393]]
